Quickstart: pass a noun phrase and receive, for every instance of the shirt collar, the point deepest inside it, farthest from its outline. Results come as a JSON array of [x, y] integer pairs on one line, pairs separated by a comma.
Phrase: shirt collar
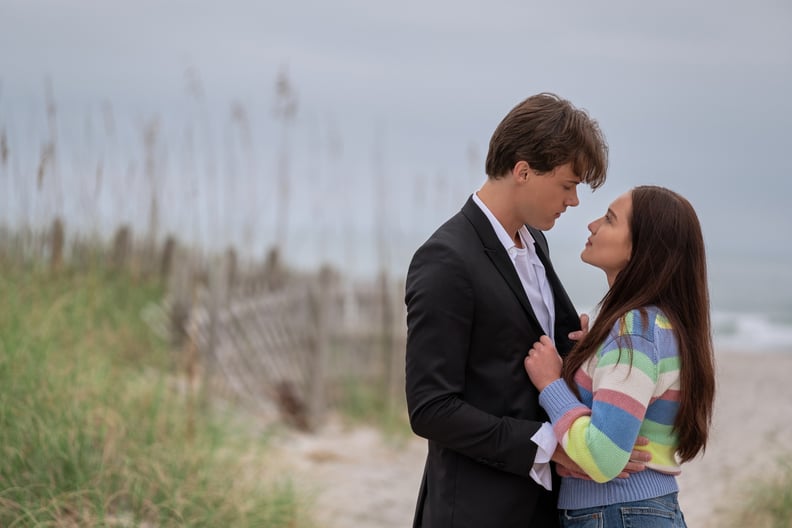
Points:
[[504, 237]]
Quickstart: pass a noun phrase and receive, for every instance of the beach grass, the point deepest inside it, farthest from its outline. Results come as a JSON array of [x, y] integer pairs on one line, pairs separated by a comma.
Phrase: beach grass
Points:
[[93, 428], [365, 404], [769, 500]]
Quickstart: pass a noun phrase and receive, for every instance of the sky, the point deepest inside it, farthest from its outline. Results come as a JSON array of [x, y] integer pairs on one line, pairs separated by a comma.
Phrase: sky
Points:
[[395, 104]]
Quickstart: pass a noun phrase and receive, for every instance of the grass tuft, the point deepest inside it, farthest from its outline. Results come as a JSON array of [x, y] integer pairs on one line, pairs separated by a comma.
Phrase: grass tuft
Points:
[[92, 431], [769, 503], [363, 403]]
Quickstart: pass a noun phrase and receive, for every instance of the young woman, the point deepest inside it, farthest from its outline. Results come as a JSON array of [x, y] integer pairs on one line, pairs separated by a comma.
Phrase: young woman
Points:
[[645, 368]]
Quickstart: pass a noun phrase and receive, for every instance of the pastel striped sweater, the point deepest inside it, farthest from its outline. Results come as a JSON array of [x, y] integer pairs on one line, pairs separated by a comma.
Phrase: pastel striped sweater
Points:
[[621, 399]]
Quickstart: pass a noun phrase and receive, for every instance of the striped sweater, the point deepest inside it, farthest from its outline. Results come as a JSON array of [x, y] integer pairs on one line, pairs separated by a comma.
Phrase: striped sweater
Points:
[[624, 393]]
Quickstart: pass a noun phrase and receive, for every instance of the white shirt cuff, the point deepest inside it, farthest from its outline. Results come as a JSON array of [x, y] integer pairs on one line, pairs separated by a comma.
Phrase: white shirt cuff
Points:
[[546, 443]]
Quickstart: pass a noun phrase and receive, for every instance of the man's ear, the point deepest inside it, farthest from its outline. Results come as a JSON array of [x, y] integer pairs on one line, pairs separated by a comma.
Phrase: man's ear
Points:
[[521, 171]]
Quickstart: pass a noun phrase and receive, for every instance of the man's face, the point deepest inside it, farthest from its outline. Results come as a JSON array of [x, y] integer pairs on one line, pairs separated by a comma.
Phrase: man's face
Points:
[[544, 197]]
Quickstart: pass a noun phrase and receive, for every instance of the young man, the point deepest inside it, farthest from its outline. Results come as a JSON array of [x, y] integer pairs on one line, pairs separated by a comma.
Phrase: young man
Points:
[[479, 293]]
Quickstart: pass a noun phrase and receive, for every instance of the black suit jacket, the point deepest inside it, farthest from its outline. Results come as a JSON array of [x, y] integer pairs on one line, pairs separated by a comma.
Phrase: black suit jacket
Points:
[[470, 325]]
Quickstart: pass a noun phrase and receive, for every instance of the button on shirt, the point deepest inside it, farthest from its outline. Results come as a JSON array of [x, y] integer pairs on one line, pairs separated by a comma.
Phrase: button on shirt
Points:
[[534, 281]]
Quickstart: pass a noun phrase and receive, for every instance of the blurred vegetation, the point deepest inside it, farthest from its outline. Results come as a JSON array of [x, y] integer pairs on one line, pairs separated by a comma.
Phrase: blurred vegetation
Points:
[[94, 430], [769, 501], [362, 403]]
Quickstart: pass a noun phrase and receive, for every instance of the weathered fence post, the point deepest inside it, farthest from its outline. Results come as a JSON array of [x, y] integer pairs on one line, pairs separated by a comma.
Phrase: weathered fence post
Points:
[[122, 246], [232, 269], [320, 299], [57, 239], [386, 338], [274, 270], [181, 294], [217, 276], [168, 254], [398, 343]]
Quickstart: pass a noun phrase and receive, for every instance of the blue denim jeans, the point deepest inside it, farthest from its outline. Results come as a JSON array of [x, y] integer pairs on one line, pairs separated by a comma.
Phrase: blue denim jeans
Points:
[[660, 512]]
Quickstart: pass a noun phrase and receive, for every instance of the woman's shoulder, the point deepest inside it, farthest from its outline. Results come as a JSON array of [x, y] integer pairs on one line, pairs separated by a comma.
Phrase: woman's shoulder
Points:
[[642, 322], [644, 331]]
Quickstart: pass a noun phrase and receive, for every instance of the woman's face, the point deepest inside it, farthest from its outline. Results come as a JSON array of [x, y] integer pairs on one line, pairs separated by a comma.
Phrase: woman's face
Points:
[[610, 243]]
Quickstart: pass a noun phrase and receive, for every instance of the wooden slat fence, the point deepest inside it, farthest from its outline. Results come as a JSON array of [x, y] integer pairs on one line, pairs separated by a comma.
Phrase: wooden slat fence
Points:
[[295, 348], [275, 339]]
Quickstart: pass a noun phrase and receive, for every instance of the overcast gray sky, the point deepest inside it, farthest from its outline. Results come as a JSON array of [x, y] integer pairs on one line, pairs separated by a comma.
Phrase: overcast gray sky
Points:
[[691, 95]]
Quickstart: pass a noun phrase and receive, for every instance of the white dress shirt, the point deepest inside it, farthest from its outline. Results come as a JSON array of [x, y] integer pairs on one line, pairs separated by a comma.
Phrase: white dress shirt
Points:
[[534, 281]]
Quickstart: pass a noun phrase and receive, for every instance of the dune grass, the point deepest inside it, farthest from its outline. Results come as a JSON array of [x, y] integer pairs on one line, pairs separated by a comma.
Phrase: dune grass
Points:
[[364, 404], [769, 501], [92, 429]]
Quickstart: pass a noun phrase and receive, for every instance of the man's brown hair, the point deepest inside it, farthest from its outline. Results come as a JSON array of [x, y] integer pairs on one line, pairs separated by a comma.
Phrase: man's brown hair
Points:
[[547, 131]]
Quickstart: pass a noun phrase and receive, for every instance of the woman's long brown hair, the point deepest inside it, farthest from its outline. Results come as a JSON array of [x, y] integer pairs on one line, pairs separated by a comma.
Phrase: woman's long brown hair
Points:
[[667, 269]]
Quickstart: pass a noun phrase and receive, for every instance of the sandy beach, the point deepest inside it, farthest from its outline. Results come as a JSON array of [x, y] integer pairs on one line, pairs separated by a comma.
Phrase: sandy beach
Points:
[[356, 477], [751, 429]]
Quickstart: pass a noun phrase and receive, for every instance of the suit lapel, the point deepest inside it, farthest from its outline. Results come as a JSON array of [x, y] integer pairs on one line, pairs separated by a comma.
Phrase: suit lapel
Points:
[[497, 254], [541, 251], [566, 316]]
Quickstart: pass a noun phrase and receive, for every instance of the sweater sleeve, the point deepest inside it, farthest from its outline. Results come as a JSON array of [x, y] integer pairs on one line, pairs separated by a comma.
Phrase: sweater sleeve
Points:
[[600, 439]]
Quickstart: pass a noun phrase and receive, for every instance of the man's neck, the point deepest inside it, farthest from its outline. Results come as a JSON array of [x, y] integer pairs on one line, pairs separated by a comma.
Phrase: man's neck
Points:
[[497, 197]]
